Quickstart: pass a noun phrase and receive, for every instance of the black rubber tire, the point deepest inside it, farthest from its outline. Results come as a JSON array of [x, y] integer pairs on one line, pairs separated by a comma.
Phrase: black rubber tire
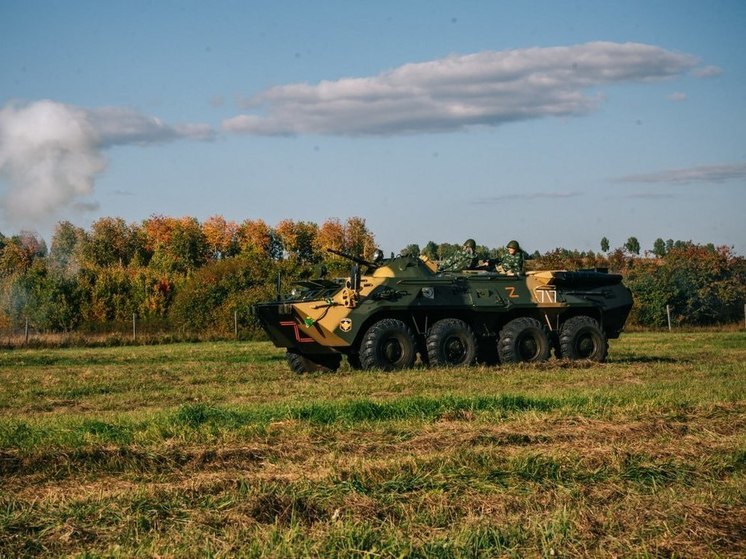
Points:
[[451, 343], [523, 340], [388, 345], [581, 337], [302, 363]]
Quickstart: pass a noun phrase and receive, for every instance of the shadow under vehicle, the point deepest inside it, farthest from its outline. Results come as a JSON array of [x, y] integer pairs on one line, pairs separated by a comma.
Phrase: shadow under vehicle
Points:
[[389, 312]]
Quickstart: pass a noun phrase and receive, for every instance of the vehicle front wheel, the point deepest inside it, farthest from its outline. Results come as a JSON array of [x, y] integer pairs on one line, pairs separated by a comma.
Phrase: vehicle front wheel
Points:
[[523, 340], [451, 343], [581, 337], [388, 345], [304, 363]]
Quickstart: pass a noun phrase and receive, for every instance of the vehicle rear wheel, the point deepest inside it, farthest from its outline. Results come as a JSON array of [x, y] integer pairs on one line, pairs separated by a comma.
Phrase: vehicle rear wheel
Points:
[[523, 340], [305, 363], [451, 343], [581, 337], [388, 344]]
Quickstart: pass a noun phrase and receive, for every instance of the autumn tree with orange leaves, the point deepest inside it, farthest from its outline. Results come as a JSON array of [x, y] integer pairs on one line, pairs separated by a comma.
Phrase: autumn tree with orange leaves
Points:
[[255, 236], [221, 237], [359, 240]]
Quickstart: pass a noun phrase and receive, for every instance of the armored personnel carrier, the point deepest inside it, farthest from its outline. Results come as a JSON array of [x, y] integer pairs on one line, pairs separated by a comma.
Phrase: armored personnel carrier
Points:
[[389, 312]]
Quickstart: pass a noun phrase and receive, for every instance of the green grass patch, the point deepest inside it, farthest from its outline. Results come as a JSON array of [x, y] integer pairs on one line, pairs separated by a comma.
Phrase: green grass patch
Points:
[[218, 450]]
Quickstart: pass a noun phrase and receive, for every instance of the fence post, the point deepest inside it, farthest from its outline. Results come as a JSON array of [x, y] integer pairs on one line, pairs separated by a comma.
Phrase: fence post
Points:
[[25, 334], [134, 327], [235, 324], [668, 314]]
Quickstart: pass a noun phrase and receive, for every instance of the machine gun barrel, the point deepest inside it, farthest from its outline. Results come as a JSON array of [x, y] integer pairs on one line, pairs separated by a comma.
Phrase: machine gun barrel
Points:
[[355, 259]]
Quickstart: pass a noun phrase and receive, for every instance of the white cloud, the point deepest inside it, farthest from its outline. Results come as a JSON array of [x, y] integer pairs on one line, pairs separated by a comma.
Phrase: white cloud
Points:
[[86, 206], [487, 88], [117, 126], [677, 96], [708, 72], [531, 196], [651, 196], [51, 153], [702, 174]]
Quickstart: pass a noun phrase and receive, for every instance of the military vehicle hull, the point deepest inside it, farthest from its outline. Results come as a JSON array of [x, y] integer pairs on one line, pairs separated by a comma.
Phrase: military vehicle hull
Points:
[[401, 309]]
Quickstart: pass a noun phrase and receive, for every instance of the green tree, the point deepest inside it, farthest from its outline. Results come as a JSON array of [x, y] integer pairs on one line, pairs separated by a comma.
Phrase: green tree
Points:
[[430, 250], [48, 298], [659, 248], [605, 244], [446, 250], [702, 285], [632, 245], [111, 241], [67, 246], [110, 294], [152, 292]]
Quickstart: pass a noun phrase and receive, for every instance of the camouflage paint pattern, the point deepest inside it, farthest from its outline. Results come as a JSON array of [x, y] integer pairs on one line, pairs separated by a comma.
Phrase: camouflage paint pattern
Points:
[[334, 317]]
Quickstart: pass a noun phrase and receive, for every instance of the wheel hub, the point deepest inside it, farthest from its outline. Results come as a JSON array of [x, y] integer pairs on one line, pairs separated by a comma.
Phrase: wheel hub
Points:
[[392, 350], [528, 348], [585, 346], [455, 350]]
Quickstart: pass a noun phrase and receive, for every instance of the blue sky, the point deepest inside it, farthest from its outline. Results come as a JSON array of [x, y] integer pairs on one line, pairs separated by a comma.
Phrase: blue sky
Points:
[[555, 123]]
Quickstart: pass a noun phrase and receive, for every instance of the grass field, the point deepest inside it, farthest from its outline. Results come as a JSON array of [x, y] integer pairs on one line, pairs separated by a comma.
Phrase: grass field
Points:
[[218, 450]]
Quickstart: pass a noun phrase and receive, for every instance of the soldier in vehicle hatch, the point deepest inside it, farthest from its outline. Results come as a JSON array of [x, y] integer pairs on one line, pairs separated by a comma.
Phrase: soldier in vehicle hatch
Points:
[[512, 263], [464, 259]]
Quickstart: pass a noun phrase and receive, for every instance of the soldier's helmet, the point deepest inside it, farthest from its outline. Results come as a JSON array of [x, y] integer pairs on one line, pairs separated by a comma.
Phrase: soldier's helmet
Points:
[[470, 243], [514, 244]]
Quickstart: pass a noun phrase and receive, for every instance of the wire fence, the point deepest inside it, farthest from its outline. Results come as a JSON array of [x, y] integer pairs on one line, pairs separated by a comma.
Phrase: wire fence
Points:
[[149, 330], [137, 330]]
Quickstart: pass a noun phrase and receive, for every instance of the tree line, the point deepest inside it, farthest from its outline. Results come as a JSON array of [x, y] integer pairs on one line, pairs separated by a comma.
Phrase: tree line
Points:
[[184, 273], [200, 276]]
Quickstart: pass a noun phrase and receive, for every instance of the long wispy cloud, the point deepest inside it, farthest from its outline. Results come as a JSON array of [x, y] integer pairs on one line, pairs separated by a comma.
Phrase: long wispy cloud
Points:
[[705, 174], [457, 92], [500, 198], [51, 153]]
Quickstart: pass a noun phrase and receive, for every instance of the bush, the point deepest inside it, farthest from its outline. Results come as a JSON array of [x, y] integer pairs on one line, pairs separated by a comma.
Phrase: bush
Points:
[[209, 297], [47, 297], [703, 286]]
